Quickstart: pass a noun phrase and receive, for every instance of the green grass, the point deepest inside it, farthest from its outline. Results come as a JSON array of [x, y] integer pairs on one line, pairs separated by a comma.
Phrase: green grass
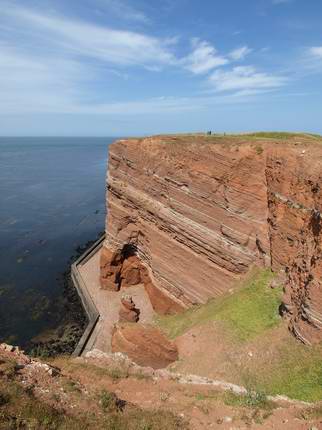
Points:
[[280, 135], [270, 135], [246, 314], [21, 410], [252, 399], [108, 401], [296, 372]]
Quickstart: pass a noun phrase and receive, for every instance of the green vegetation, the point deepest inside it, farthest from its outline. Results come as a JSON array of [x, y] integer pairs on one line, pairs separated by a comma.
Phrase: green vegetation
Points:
[[296, 371], [71, 387], [246, 314], [279, 135], [252, 399], [21, 410], [250, 318], [145, 420], [255, 405], [312, 412], [114, 373], [108, 401], [259, 149], [270, 135], [20, 407]]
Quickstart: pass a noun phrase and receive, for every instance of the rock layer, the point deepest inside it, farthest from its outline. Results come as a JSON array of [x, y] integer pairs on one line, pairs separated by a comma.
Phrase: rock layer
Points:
[[144, 344], [197, 212]]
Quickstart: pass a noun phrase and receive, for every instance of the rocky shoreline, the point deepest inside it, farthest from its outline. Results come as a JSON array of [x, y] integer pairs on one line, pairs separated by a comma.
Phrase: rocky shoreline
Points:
[[64, 338]]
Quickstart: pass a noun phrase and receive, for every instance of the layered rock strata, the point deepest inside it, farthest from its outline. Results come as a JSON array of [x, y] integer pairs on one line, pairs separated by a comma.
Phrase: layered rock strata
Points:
[[294, 181], [189, 215]]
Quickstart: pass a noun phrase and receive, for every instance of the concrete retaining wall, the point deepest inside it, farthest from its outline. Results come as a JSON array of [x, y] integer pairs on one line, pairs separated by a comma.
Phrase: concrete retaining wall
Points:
[[87, 302]]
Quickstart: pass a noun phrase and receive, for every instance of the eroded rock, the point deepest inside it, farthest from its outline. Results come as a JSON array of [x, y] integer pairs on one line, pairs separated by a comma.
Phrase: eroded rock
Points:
[[144, 344], [128, 312]]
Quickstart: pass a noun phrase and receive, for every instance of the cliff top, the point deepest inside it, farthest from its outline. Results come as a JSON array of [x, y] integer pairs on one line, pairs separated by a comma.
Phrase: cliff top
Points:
[[199, 151], [256, 141], [271, 137]]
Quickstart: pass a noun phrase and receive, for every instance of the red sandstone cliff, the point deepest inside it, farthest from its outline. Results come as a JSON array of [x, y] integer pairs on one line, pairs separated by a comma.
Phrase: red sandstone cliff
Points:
[[199, 211]]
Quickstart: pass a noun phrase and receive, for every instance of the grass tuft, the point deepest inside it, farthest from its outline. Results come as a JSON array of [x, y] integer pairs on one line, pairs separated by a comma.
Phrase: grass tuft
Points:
[[311, 413], [108, 401]]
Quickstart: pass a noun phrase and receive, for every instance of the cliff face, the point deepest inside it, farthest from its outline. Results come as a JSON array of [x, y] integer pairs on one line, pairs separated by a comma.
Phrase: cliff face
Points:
[[189, 215], [294, 179]]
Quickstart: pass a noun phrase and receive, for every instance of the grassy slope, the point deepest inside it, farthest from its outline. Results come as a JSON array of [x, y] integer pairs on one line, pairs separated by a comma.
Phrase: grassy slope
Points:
[[297, 372], [250, 315], [246, 313]]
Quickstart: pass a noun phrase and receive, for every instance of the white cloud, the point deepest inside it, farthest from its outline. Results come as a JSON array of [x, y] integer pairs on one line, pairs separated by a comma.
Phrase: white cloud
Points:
[[239, 53], [124, 11], [51, 63], [102, 43], [48, 85], [316, 51], [203, 58], [245, 78], [28, 83]]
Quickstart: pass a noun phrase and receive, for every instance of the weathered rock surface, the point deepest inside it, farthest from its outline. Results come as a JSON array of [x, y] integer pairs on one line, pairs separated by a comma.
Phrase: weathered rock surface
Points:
[[144, 344], [128, 312], [294, 180], [189, 215]]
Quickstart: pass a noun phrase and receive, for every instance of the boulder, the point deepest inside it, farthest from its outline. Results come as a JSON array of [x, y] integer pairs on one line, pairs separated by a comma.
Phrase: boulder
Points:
[[144, 344], [128, 312]]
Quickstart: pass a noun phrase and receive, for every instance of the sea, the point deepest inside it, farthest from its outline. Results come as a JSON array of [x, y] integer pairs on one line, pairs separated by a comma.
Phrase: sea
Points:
[[52, 201]]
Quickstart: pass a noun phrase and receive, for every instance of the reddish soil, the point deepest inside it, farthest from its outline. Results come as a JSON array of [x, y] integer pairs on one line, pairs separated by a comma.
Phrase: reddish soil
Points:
[[73, 386]]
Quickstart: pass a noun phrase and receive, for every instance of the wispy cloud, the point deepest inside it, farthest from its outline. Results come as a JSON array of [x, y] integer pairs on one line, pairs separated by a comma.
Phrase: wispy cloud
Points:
[[245, 78], [239, 53], [316, 51], [28, 83], [203, 58], [125, 11], [103, 43], [50, 63]]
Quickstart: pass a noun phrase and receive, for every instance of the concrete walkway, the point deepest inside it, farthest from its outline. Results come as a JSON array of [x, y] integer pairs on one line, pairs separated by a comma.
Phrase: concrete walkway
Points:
[[108, 304]]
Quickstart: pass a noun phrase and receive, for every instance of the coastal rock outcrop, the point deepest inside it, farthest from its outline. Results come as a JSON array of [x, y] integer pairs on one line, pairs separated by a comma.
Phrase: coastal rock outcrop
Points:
[[189, 215], [128, 312], [294, 181], [144, 344]]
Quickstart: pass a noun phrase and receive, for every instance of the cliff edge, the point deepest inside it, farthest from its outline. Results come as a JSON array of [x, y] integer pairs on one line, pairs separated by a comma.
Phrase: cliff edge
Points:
[[189, 215]]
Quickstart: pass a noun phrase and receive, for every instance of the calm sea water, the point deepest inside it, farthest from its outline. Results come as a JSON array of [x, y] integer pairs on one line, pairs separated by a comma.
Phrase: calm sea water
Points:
[[51, 201]]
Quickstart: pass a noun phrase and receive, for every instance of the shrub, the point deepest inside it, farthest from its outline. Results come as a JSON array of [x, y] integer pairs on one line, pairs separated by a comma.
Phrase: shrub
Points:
[[109, 401]]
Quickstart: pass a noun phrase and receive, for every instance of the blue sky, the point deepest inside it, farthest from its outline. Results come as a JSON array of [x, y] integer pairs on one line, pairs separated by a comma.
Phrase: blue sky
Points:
[[125, 67]]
